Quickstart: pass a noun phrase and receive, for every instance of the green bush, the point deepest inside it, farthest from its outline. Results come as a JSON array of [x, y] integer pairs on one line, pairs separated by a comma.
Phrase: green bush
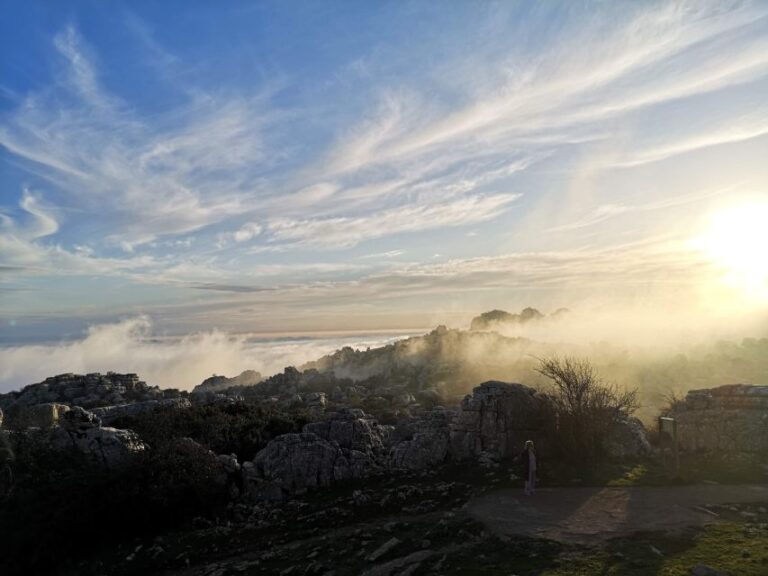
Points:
[[65, 508], [240, 428], [583, 412]]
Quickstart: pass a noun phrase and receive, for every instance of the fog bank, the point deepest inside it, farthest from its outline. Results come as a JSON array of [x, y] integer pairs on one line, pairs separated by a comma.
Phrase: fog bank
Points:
[[131, 345]]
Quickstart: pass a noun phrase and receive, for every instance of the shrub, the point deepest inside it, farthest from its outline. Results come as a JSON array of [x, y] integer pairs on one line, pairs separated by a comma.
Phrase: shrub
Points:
[[65, 508], [584, 411], [240, 428]]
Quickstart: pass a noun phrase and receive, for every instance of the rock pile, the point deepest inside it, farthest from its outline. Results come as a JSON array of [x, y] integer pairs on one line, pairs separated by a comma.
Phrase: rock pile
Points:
[[732, 417]]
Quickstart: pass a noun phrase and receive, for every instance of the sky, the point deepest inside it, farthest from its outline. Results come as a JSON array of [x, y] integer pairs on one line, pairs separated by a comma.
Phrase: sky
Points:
[[303, 167]]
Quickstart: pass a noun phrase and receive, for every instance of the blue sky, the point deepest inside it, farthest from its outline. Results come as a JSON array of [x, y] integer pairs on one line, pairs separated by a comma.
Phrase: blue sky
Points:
[[308, 166]]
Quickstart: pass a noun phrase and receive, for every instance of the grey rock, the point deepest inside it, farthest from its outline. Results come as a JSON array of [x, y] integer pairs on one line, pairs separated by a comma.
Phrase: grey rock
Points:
[[732, 418], [44, 416], [110, 446], [424, 441], [294, 463], [110, 413], [351, 429], [383, 549], [629, 439], [496, 418], [221, 383], [407, 563]]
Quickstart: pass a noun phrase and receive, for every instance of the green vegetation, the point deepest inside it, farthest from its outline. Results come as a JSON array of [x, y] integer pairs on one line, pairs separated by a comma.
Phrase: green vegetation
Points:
[[239, 428]]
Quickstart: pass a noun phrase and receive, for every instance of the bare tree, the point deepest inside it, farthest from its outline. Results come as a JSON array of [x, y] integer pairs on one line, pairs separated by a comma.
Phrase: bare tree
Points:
[[585, 409]]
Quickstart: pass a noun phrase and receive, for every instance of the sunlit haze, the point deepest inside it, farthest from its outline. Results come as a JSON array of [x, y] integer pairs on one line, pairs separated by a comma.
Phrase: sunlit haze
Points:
[[200, 170]]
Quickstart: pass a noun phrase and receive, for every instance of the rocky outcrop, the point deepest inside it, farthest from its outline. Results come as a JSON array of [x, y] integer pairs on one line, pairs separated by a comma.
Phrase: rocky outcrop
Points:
[[352, 429], [43, 416], [220, 383], [294, 463], [345, 445], [421, 443], [83, 431], [110, 413], [732, 418], [497, 419], [88, 391]]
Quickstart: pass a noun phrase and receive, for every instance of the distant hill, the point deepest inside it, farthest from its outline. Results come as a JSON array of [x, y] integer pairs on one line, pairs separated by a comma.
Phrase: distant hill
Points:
[[497, 319]]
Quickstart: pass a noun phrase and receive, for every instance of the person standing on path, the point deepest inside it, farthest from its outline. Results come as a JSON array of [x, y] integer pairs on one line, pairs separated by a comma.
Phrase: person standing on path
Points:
[[528, 457]]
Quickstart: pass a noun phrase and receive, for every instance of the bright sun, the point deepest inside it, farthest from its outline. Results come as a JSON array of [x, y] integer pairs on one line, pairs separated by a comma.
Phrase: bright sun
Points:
[[737, 240]]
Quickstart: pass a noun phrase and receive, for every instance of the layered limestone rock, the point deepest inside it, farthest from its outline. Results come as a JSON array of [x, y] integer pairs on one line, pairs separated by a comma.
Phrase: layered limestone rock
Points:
[[220, 383], [43, 416], [496, 419], [732, 418], [422, 442], [352, 429], [294, 463], [82, 430], [110, 413], [88, 391], [345, 445]]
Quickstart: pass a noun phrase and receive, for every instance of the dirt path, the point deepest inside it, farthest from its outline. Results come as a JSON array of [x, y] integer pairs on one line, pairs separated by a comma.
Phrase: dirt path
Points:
[[588, 515]]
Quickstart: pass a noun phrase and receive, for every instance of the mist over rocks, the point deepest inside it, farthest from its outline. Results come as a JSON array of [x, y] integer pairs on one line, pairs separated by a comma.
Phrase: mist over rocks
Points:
[[500, 319], [490, 425], [218, 383], [87, 390], [730, 418]]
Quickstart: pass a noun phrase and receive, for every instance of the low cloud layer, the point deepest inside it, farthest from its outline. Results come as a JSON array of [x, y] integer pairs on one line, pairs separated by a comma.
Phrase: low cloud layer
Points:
[[132, 346]]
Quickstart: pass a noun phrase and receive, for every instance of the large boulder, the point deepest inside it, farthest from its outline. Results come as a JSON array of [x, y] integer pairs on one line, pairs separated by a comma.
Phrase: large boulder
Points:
[[496, 419], [294, 463], [351, 429], [43, 416], [422, 442], [87, 390], [628, 440], [82, 430]]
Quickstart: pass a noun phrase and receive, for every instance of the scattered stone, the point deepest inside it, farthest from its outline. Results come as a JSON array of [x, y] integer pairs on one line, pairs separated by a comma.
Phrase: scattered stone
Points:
[[383, 549], [704, 570]]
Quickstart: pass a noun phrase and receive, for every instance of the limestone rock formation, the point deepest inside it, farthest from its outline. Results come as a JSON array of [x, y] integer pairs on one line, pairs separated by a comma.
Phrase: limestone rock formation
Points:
[[220, 383], [110, 413], [732, 417], [44, 416], [422, 442], [351, 429], [496, 418], [82, 430], [88, 391], [294, 463]]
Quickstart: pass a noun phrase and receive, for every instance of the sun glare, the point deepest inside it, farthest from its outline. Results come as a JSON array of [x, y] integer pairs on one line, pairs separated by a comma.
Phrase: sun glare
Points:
[[737, 240]]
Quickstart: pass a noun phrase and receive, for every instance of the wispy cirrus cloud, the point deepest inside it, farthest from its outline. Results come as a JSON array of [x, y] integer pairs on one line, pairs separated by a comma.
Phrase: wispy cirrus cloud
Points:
[[549, 119]]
